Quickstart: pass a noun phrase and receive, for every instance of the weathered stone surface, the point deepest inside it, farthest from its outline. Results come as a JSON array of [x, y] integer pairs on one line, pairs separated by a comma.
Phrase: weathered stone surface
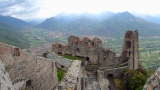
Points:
[[96, 54], [61, 62], [5, 82], [29, 71], [153, 83], [72, 79]]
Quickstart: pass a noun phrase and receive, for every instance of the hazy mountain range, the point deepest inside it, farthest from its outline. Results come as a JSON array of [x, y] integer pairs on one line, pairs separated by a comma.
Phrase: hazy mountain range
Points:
[[104, 24], [111, 24]]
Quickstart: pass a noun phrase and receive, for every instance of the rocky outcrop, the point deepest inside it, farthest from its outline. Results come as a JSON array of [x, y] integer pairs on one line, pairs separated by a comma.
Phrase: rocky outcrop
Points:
[[72, 79], [153, 83], [5, 81]]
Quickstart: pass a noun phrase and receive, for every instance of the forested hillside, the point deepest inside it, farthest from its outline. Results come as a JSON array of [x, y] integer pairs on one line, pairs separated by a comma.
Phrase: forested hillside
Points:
[[11, 36]]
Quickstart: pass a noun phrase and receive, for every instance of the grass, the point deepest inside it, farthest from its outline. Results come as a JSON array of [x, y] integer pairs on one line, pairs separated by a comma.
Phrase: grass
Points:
[[60, 74], [120, 84], [71, 57]]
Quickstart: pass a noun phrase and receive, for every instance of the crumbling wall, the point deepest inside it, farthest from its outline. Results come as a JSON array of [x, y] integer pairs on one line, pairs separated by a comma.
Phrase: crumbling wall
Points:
[[72, 79], [61, 62], [153, 83], [37, 73], [130, 49], [5, 81]]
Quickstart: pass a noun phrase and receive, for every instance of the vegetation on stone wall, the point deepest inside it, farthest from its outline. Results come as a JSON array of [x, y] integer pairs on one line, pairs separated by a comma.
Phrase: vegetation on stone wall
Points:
[[135, 79], [60, 74], [71, 57], [120, 84]]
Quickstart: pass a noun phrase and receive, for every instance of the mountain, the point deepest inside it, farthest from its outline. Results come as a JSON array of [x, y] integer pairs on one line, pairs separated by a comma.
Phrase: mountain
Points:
[[16, 23], [121, 22], [11, 36], [63, 21], [106, 24], [81, 25], [153, 19]]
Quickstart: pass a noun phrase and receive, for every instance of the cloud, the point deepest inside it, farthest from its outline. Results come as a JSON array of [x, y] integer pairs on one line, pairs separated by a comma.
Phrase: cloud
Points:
[[30, 9], [23, 9]]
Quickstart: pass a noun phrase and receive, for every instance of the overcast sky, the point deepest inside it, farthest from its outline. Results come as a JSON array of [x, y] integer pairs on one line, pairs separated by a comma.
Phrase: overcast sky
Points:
[[30, 9]]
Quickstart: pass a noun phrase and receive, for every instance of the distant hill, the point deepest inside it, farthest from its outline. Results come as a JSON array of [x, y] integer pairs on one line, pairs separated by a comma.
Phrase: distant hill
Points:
[[16, 23], [121, 22], [111, 25], [153, 19], [11, 36]]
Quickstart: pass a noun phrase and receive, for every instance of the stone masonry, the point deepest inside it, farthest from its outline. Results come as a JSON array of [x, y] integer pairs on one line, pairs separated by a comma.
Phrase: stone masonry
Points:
[[72, 79], [94, 53], [28, 71], [153, 83], [5, 81]]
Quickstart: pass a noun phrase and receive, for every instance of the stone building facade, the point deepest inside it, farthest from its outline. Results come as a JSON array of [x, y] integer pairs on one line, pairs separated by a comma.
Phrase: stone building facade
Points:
[[28, 71], [94, 53]]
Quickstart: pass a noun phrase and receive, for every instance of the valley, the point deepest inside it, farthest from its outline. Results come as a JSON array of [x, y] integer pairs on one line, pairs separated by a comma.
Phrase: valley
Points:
[[41, 40]]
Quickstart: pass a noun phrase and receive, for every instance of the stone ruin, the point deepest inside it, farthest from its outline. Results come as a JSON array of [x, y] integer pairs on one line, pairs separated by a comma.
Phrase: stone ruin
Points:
[[94, 53], [26, 72], [153, 83], [100, 65], [37, 73]]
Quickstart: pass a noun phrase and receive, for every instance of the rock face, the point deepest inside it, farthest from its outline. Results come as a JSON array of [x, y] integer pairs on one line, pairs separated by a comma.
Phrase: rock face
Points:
[[153, 82], [28, 71], [94, 53], [5, 81]]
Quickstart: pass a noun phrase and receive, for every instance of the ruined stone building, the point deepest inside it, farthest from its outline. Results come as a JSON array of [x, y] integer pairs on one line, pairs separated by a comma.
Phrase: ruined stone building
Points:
[[26, 72], [100, 65], [95, 72], [94, 53]]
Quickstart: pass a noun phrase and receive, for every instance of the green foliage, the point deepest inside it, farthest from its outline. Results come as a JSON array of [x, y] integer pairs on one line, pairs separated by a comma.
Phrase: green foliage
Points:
[[11, 36], [71, 57], [135, 79], [60, 74]]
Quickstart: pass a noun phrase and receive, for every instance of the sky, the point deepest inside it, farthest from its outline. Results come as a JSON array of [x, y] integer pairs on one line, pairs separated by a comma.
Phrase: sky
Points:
[[32, 9]]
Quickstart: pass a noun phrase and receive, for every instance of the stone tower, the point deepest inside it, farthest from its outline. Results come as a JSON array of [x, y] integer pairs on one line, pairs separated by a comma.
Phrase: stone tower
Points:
[[130, 47]]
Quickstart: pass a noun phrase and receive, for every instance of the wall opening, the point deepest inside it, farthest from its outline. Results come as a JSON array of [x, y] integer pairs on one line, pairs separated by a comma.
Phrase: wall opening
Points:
[[92, 43], [129, 53], [128, 44], [59, 87], [78, 50], [110, 76], [62, 66], [16, 52], [29, 83], [87, 58], [59, 52], [88, 43], [60, 47]]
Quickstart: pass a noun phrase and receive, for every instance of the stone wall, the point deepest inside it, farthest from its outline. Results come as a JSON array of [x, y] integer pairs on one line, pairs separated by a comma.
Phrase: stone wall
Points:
[[61, 62], [72, 79], [5, 81], [116, 72], [153, 83], [36, 73]]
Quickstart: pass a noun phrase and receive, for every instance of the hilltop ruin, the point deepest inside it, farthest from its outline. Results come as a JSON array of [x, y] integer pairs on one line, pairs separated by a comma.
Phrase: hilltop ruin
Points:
[[95, 72]]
